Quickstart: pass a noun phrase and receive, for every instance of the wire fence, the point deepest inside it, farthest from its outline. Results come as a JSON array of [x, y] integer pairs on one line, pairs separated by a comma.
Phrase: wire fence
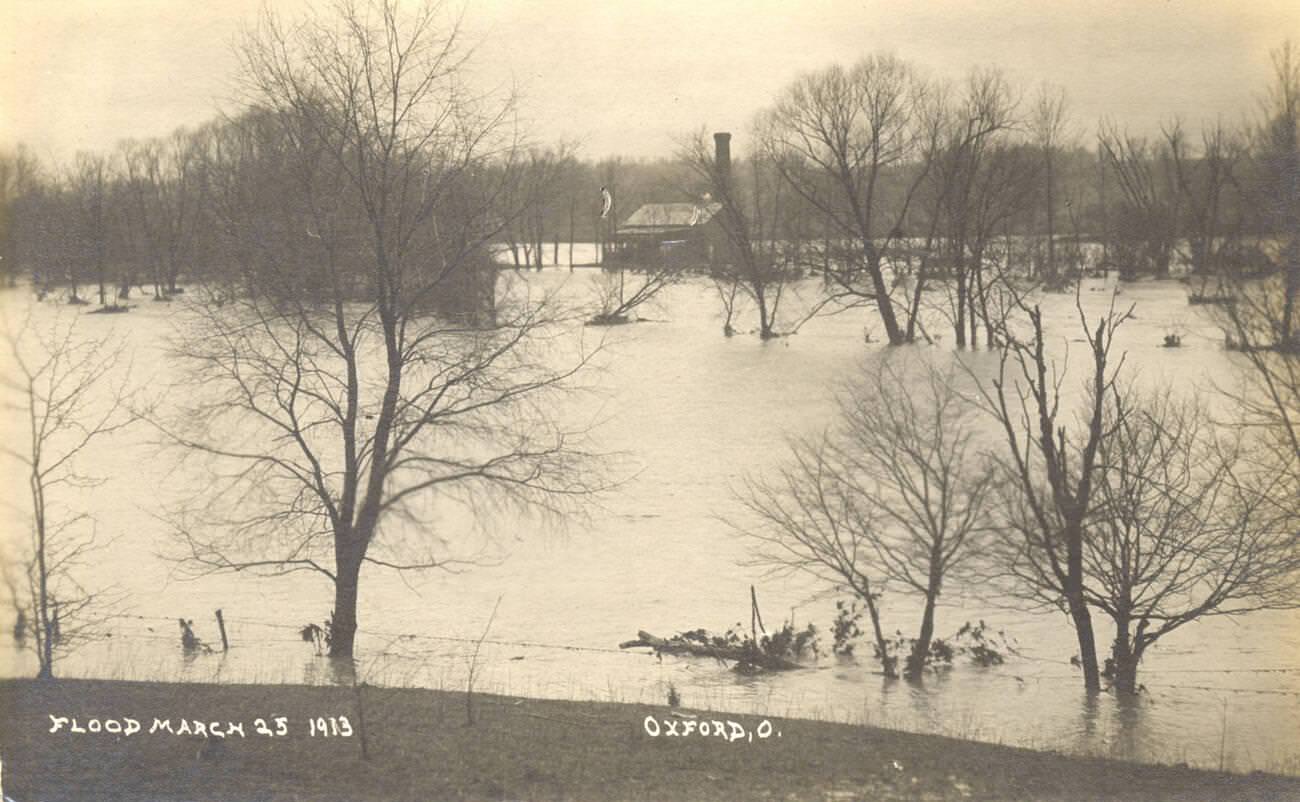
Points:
[[403, 646]]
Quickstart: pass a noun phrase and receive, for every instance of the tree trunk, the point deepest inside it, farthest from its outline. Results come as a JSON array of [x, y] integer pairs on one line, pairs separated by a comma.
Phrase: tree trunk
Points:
[[46, 626], [1287, 336], [1082, 619], [1124, 659], [921, 648], [1051, 221], [959, 325], [343, 625], [887, 662], [883, 302], [764, 323], [99, 273]]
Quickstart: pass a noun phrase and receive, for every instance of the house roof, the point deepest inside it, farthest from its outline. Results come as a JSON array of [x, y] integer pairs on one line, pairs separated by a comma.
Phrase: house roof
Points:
[[667, 216]]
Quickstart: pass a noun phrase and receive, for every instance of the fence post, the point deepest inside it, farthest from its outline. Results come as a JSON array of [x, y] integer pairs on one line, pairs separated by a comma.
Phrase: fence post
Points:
[[221, 625]]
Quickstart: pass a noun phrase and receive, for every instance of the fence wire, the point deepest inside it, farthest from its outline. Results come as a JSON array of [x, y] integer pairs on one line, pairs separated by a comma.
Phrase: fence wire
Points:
[[238, 637]]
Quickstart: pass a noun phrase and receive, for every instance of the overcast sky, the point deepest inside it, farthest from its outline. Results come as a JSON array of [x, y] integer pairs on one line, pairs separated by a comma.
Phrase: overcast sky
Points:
[[628, 76]]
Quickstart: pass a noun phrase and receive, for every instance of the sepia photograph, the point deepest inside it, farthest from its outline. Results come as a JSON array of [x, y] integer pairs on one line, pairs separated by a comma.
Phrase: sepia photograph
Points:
[[711, 400]]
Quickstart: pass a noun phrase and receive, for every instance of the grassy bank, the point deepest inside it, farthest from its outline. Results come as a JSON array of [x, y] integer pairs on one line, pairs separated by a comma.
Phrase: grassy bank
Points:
[[419, 747]]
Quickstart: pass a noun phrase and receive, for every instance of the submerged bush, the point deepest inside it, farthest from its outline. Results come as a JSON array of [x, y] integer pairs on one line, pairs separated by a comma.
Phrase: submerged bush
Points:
[[845, 629]]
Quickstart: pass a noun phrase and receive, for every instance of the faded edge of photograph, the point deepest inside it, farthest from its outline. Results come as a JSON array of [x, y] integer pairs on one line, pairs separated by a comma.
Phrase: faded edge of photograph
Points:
[[491, 400]]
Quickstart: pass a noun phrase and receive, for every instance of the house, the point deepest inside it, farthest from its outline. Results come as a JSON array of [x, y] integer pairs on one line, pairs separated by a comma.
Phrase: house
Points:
[[687, 234]]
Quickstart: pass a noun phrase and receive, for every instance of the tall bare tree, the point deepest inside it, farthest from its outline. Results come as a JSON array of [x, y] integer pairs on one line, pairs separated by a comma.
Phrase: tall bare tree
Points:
[[836, 135], [1051, 471], [1145, 230], [361, 366], [1278, 185], [1206, 178], [91, 187], [1049, 127], [19, 176], [1261, 323], [971, 189]]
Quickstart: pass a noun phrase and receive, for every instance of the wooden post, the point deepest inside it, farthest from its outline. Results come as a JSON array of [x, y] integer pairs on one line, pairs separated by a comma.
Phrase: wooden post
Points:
[[221, 625]]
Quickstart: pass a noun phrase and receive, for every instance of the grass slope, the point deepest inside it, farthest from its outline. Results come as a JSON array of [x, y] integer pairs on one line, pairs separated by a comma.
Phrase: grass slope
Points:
[[420, 748]]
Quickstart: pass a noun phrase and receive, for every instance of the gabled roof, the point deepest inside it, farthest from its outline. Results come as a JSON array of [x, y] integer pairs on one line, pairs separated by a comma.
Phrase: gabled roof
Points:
[[671, 215]]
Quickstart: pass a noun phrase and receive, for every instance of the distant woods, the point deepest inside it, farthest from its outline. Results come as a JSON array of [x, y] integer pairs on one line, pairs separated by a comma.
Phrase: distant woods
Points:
[[198, 206], [894, 186]]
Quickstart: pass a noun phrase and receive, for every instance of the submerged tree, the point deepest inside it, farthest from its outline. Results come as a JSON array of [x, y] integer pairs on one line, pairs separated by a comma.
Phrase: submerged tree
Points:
[[1184, 528], [1050, 472], [1049, 126], [838, 136], [360, 365], [68, 393], [1145, 230], [1278, 190], [1261, 322], [18, 172], [895, 495], [624, 289], [979, 182], [91, 188], [761, 234]]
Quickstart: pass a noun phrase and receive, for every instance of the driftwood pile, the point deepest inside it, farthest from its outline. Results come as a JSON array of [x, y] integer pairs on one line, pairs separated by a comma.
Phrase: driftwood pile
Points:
[[746, 655]]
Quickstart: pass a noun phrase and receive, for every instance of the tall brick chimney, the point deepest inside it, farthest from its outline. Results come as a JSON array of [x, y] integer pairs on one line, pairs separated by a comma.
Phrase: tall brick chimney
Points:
[[722, 154]]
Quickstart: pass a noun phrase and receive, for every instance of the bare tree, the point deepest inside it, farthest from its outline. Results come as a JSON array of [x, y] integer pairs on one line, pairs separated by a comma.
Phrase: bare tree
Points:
[[533, 190], [1184, 527], [1278, 186], [622, 289], [760, 233], [70, 392], [41, 216], [1049, 126], [1205, 180], [1145, 230], [90, 185], [839, 136], [894, 495], [1003, 194], [353, 374], [19, 176], [1260, 324], [1051, 472], [975, 194]]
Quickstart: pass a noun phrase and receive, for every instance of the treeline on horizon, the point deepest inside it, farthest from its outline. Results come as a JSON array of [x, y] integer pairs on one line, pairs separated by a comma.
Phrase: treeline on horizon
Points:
[[949, 165]]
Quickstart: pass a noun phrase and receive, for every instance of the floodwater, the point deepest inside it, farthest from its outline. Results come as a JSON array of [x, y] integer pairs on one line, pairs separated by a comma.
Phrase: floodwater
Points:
[[691, 414]]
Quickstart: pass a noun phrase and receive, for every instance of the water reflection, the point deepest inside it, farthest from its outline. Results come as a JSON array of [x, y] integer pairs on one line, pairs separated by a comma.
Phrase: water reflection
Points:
[[1129, 710], [328, 670]]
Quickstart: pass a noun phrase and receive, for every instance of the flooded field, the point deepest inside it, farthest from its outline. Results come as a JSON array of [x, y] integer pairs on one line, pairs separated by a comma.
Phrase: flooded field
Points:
[[690, 414]]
